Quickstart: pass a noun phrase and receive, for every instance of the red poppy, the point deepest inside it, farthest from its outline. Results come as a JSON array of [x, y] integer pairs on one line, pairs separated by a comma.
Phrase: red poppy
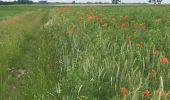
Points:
[[90, 17], [146, 93], [123, 90], [105, 25], [158, 20], [138, 45], [123, 18], [123, 25], [164, 60], [142, 26], [60, 10]]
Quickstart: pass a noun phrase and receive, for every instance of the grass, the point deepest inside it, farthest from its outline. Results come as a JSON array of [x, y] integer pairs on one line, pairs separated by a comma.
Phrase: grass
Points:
[[86, 53], [9, 11], [16, 32]]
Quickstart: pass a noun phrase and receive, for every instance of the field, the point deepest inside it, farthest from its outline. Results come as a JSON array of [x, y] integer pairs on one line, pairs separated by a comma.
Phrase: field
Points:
[[85, 53]]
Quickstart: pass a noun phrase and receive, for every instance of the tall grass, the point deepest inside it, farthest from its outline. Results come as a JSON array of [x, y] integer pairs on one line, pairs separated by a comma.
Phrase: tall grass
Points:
[[75, 58]]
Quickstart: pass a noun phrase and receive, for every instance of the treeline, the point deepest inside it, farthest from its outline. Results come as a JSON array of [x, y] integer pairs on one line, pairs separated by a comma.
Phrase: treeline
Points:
[[155, 1], [16, 2], [150, 1], [73, 2]]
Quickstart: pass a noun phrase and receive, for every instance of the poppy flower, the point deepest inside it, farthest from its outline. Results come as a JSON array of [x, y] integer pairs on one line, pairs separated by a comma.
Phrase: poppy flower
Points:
[[146, 93], [138, 45], [60, 10], [158, 20], [123, 25], [90, 17], [123, 90], [142, 26], [123, 18], [105, 25], [164, 60]]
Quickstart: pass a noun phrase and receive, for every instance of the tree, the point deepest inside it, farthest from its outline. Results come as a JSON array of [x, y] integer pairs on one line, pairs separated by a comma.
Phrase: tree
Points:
[[42, 2], [73, 2], [25, 2], [159, 1], [1, 2], [155, 1], [116, 1]]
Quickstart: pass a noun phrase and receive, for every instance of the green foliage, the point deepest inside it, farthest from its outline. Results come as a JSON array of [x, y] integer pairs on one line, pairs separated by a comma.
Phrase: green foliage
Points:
[[9, 11], [69, 56]]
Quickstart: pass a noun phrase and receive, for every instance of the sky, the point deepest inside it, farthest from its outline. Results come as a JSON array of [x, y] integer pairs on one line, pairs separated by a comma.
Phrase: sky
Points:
[[124, 1]]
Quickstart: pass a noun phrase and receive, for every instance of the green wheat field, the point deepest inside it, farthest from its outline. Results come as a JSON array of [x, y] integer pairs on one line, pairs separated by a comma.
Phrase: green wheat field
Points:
[[85, 53]]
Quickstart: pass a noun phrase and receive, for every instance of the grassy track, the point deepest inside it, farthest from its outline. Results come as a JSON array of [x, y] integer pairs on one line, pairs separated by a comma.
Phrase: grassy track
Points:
[[86, 53], [17, 34], [9, 11]]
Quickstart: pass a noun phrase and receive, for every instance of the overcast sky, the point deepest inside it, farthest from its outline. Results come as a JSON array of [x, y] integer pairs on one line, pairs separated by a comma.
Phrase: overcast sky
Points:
[[125, 1]]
